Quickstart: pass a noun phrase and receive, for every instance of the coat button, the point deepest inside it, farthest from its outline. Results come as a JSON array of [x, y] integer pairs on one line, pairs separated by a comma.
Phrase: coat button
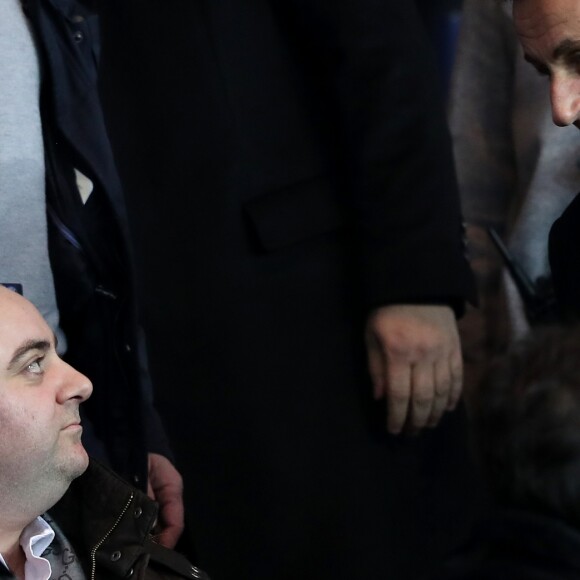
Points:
[[78, 36], [137, 513], [115, 556], [130, 573], [77, 18]]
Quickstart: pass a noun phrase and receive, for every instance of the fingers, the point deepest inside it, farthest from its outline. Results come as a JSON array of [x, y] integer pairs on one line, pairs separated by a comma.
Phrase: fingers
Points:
[[441, 392], [414, 358], [435, 389], [172, 519], [166, 487], [456, 380], [398, 390], [377, 369], [424, 402], [418, 395]]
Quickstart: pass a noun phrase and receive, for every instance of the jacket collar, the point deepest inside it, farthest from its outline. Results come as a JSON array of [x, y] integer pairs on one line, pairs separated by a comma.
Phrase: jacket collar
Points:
[[110, 520]]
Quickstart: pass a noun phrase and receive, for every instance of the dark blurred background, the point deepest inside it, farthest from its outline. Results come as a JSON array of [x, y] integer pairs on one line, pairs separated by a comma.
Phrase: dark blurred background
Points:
[[442, 19]]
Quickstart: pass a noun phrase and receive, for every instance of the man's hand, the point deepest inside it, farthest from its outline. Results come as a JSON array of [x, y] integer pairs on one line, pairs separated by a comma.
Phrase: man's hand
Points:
[[166, 488], [415, 362]]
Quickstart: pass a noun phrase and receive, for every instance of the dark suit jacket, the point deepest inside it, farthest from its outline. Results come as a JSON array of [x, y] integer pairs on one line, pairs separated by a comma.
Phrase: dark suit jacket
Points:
[[287, 168], [563, 250]]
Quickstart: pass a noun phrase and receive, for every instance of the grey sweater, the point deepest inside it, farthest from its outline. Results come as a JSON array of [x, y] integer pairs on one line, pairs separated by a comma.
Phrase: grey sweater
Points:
[[23, 230]]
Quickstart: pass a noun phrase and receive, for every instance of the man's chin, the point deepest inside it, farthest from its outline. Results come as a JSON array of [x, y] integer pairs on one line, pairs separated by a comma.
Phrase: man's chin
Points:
[[83, 462], [76, 463]]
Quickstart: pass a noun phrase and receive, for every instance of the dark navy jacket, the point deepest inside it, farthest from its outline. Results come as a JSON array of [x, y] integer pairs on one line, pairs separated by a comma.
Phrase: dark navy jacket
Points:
[[88, 243]]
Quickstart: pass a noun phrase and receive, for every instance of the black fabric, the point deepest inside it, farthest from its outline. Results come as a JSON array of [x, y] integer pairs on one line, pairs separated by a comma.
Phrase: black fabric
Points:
[[563, 251], [103, 516], [514, 545], [287, 169]]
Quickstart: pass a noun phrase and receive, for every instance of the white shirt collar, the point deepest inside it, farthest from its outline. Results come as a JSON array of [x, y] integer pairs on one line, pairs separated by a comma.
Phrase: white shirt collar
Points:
[[35, 538]]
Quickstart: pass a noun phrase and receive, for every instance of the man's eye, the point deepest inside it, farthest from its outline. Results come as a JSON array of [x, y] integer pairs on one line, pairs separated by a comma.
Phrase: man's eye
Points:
[[575, 61], [35, 367]]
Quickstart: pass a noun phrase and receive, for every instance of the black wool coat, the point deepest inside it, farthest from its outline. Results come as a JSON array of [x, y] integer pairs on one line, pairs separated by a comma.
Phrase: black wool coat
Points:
[[287, 169]]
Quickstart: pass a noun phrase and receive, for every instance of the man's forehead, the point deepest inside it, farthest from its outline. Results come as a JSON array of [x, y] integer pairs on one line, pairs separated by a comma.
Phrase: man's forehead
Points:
[[538, 17], [20, 321], [547, 29], [13, 303]]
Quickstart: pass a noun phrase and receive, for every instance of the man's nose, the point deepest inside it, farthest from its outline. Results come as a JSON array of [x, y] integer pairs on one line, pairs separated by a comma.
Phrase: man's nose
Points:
[[74, 385], [565, 96]]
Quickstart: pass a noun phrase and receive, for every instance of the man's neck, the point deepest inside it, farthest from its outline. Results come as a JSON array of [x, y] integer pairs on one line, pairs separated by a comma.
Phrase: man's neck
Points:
[[15, 558]]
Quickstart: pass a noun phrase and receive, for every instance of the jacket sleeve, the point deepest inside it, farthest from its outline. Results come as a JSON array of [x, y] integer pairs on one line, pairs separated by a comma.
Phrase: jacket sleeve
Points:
[[381, 80], [564, 242]]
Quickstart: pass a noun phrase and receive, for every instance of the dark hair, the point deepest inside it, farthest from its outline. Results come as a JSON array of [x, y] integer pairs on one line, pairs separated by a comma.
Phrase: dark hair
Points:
[[526, 422]]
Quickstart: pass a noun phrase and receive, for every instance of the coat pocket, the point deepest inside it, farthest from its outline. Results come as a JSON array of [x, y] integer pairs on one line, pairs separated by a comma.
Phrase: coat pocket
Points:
[[295, 213]]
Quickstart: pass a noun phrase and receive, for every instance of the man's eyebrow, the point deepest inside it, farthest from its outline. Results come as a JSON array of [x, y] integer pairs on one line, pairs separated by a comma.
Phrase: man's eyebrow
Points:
[[565, 47], [21, 351], [563, 50]]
